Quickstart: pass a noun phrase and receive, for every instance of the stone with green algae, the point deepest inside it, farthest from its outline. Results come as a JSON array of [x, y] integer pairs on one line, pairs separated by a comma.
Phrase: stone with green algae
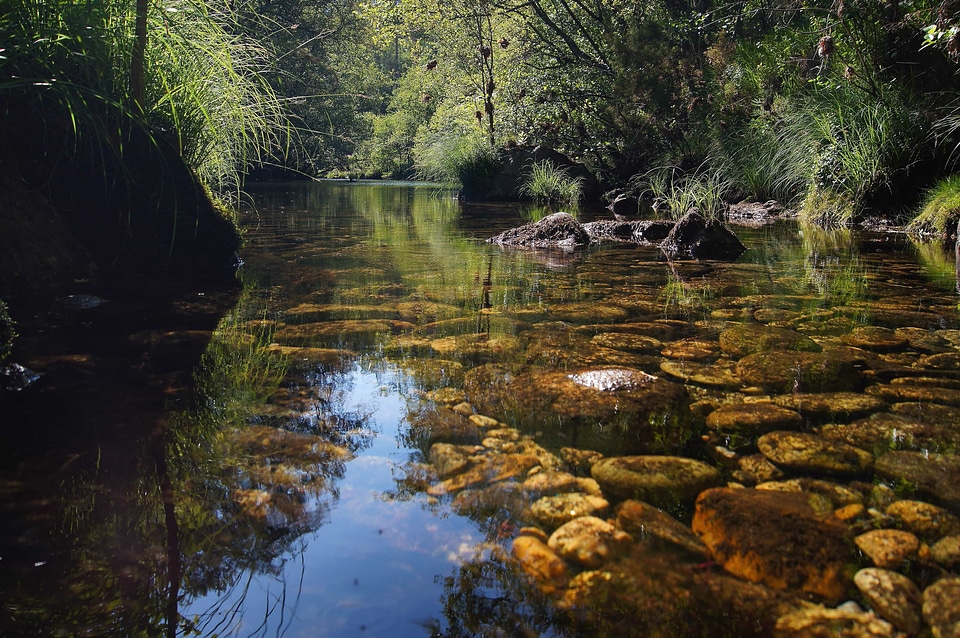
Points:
[[839, 406], [741, 340], [753, 418], [664, 481], [782, 371], [803, 452]]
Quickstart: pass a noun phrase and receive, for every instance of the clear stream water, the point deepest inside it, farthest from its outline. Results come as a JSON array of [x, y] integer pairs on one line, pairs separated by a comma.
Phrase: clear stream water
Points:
[[279, 487]]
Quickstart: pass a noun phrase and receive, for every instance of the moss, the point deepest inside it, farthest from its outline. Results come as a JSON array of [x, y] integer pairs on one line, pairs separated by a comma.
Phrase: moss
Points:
[[939, 211]]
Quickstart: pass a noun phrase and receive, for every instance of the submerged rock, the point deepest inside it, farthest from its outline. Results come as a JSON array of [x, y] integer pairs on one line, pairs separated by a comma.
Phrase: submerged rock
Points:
[[821, 622], [804, 452], [823, 406], [781, 371], [784, 540], [893, 596], [744, 339], [589, 541], [661, 480], [753, 418], [606, 409], [642, 520], [940, 609], [923, 519], [888, 548], [540, 563], [554, 511], [934, 476]]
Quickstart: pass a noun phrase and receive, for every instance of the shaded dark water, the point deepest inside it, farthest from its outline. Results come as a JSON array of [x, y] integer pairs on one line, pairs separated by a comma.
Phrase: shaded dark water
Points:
[[286, 485]]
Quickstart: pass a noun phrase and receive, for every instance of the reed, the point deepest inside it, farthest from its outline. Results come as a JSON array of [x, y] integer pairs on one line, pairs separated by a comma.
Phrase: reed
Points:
[[551, 184], [675, 191], [939, 210]]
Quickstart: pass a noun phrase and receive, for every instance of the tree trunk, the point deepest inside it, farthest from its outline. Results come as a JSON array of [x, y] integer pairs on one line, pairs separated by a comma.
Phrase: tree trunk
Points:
[[137, 81]]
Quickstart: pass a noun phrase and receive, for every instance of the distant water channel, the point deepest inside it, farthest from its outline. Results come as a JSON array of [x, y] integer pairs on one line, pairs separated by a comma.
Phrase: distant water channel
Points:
[[390, 400]]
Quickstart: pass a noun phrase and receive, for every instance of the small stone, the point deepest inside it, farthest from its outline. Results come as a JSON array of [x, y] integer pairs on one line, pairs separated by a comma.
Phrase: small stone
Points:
[[934, 476], [589, 541], [550, 482], [923, 519], [850, 512], [876, 338], [744, 339], [451, 459], [834, 406], [781, 371], [820, 622], [579, 461], [888, 548], [946, 552], [540, 563], [811, 453], [893, 596], [940, 609], [554, 511], [463, 409], [756, 468], [483, 421], [838, 495]]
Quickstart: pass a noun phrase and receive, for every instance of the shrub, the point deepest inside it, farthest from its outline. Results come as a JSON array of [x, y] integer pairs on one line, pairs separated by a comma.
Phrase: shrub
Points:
[[939, 211], [553, 184]]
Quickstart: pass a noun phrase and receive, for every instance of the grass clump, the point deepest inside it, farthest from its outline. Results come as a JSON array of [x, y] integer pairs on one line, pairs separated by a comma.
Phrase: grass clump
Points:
[[453, 154], [939, 210], [551, 184], [675, 191]]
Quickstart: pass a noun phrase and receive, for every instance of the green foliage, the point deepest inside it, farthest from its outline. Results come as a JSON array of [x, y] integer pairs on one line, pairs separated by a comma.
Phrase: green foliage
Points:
[[452, 152], [675, 191], [939, 210], [551, 184], [864, 148], [205, 88]]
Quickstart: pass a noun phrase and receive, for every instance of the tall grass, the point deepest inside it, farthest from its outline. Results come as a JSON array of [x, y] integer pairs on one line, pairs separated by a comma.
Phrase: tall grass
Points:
[[939, 210], [769, 161], [205, 87], [864, 146], [551, 184], [675, 191], [456, 156]]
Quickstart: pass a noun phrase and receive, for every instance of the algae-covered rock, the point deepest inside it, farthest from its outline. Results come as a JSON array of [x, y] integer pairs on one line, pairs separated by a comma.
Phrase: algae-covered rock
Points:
[[933, 476], [884, 431], [923, 519], [888, 548], [559, 230], [784, 540], [540, 563], [833, 406], [838, 495], [554, 511], [781, 371], [720, 374], [940, 609], [663, 481], [893, 596], [876, 338], [905, 393], [946, 552], [607, 409], [804, 452], [821, 622], [589, 541], [744, 339], [753, 418]]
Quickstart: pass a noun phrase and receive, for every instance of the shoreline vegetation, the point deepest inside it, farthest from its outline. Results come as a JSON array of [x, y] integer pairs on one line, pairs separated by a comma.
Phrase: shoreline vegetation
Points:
[[129, 130]]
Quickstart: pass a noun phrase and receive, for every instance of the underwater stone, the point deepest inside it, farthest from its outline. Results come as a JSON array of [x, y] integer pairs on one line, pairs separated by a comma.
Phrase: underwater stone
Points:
[[540, 563], [663, 481], [589, 541], [923, 519], [946, 552], [888, 548], [554, 511], [642, 520], [819, 622], [838, 495], [744, 529], [550, 482], [940, 609], [798, 371], [876, 338], [840, 406], [691, 349], [720, 374], [744, 339], [908, 393], [884, 431], [756, 468], [753, 418], [811, 453], [934, 476]]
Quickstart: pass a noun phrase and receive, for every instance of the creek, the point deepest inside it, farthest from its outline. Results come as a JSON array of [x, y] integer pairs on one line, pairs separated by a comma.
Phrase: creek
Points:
[[348, 444]]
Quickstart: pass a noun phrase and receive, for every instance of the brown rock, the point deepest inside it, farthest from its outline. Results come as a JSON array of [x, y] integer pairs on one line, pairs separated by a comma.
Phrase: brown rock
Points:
[[820, 622], [661, 480], [888, 548], [540, 563], [784, 540], [923, 519], [642, 520], [811, 453], [940, 609], [554, 511], [753, 418], [893, 596], [589, 541]]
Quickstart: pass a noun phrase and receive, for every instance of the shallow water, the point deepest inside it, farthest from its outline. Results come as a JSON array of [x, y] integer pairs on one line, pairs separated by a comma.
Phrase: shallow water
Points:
[[289, 492]]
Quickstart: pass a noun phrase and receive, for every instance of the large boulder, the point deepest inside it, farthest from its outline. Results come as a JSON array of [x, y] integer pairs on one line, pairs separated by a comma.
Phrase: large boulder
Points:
[[559, 230], [694, 237], [744, 530]]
